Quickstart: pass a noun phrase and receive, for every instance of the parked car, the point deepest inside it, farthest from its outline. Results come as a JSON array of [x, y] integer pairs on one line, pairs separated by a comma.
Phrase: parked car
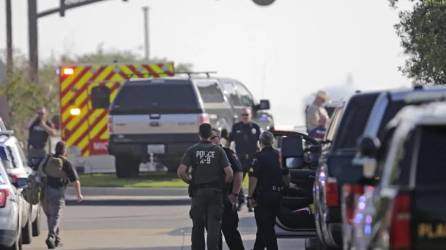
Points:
[[15, 163], [296, 218], [339, 148], [385, 108], [159, 117], [300, 154], [12, 211], [405, 208]]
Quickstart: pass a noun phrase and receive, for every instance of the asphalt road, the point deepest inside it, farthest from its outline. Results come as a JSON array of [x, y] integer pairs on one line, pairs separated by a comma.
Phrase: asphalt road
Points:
[[138, 227]]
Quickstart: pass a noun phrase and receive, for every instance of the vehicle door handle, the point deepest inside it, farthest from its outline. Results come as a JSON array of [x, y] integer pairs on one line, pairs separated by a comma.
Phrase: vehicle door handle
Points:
[[120, 124], [312, 176]]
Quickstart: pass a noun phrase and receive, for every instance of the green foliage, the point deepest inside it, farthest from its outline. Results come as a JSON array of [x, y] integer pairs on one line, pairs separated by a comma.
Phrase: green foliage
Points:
[[24, 98], [423, 36], [114, 56]]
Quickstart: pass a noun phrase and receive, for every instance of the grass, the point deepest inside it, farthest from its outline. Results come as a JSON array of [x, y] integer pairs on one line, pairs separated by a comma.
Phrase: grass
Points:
[[145, 180]]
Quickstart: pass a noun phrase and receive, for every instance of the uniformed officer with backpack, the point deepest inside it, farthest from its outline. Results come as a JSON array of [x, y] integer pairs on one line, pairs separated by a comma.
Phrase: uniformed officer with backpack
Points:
[[265, 191], [56, 172], [210, 170]]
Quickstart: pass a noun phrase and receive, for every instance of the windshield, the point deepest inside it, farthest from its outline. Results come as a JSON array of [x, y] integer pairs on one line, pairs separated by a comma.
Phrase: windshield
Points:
[[431, 169], [156, 98]]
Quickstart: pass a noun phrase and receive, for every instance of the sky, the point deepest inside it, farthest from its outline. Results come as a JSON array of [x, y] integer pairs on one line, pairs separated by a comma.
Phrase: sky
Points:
[[285, 52]]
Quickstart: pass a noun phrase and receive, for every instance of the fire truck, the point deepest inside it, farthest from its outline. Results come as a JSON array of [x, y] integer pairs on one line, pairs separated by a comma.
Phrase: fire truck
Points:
[[86, 92]]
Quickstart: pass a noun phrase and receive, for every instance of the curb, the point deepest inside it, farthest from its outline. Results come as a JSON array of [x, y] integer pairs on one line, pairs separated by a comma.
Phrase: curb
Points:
[[145, 192], [129, 200]]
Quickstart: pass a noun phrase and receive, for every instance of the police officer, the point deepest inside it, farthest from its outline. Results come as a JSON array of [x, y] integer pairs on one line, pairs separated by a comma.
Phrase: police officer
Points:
[[245, 134], [40, 129], [265, 187], [230, 217], [210, 170], [317, 118], [53, 199]]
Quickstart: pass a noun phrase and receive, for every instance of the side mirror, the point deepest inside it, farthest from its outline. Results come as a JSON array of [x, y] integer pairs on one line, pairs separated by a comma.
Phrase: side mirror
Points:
[[21, 183], [294, 162], [263, 105], [292, 151], [369, 146]]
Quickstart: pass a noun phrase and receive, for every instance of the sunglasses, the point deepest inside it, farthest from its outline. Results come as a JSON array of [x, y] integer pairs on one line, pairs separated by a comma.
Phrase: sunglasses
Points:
[[245, 114], [215, 136]]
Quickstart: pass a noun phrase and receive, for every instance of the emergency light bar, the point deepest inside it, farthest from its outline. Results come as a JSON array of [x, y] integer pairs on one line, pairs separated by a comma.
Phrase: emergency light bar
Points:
[[419, 97], [190, 73]]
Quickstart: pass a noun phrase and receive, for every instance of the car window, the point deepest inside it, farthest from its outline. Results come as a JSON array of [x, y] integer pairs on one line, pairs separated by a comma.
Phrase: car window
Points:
[[245, 96], [401, 170], [392, 109], [210, 92], [354, 121], [431, 169], [100, 97], [8, 158], [232, 94], [156, 98], [334, 124], [21, 155]]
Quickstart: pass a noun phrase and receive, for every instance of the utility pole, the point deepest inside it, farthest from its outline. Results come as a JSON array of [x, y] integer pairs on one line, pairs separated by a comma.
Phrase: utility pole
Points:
[[33, 17], [9, 45], [33, 40], [146, 9]]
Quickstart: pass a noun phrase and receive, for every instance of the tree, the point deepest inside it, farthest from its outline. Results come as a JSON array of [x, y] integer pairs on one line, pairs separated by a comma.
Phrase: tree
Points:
[[423, 36], [115, 56]]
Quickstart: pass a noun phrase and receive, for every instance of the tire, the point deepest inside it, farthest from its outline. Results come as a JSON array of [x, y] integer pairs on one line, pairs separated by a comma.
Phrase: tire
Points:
[[27, 234], [126, 167], [171, 164], [18, 244], [316, 244], [37, 222], [312, 244]]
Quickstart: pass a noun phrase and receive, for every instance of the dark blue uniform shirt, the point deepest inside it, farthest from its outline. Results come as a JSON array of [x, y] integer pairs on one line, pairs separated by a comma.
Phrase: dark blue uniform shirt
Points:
[[246, 137]]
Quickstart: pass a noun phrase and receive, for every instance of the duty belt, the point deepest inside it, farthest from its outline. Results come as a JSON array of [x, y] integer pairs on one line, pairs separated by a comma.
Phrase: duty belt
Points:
[[208, 185], [277, 188]]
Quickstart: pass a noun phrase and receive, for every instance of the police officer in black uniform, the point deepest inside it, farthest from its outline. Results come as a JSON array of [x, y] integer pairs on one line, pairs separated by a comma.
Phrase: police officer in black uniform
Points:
[[40, 129], [265, 188], [210, 171], [230, 218], [245, 134]]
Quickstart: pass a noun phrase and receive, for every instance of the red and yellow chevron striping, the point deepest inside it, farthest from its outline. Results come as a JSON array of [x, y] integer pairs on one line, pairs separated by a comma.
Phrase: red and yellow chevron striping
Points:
[[83, 125]]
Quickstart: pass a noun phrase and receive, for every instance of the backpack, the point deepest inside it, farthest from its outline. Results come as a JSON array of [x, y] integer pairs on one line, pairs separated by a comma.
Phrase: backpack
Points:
[[54, 167], [49, 167]]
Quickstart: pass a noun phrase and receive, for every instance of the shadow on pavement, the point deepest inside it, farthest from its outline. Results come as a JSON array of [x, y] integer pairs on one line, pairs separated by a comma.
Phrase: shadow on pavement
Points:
[[112, 202], [248, 245]]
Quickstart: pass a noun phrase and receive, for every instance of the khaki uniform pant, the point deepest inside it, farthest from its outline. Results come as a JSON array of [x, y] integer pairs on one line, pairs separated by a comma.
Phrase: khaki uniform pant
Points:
[[53, 202]]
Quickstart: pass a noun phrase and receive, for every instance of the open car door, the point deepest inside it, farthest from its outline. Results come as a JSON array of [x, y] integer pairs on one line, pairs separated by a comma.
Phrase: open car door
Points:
[[296, 218]]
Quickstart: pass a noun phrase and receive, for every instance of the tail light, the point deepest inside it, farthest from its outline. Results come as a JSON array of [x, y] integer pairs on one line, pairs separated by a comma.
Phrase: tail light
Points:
[[110, 124], [400, 238], [351, 194], [332, 193], [4, 193], [203, 118]]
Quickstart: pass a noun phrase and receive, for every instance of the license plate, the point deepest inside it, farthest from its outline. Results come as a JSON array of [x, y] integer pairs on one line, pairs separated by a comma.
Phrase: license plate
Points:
[[156, 149]]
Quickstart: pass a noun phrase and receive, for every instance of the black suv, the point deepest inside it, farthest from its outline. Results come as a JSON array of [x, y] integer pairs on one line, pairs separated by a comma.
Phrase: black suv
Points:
[[339, 149]]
